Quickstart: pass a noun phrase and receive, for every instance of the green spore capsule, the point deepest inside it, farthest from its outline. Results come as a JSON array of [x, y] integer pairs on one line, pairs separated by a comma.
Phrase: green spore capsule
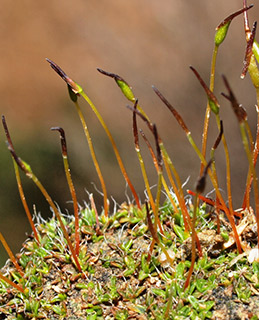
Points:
[[126, 90], [221, 33], [213, 106]]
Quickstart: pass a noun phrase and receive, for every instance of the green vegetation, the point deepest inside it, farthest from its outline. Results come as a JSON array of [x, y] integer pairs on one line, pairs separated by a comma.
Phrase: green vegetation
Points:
[[181, 258]]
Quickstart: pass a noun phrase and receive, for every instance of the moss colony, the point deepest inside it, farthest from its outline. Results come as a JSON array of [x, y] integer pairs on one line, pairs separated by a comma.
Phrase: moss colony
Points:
[[188, 257]]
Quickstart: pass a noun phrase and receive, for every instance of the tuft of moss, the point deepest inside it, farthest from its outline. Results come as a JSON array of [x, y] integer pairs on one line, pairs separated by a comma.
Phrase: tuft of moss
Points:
[[181, 259], [118, 281]]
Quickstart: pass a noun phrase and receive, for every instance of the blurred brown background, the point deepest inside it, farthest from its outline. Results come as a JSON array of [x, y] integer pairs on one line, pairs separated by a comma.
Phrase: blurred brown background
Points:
[[146, 42]]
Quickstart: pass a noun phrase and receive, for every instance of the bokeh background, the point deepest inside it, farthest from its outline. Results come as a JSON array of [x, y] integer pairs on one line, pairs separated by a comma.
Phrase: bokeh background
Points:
[[146, 42]]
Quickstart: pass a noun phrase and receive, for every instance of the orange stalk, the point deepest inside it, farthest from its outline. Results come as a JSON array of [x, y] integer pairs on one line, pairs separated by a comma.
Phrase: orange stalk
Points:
[[27, 170], [20, 188], [214, 106], [200, 186], [94, 158], [24, 202], [70, 185], [116, 151], [11, 283], [140, 158], [176, 210], [11, 255], [155, 237]]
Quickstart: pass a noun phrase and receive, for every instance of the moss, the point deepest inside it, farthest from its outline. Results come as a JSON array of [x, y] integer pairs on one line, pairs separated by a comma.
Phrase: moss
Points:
[[173, 260], [119, 282]]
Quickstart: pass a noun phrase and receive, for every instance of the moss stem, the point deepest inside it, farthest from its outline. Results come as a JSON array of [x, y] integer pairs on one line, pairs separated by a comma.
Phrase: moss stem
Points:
[[123, 170], [95, 161]]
